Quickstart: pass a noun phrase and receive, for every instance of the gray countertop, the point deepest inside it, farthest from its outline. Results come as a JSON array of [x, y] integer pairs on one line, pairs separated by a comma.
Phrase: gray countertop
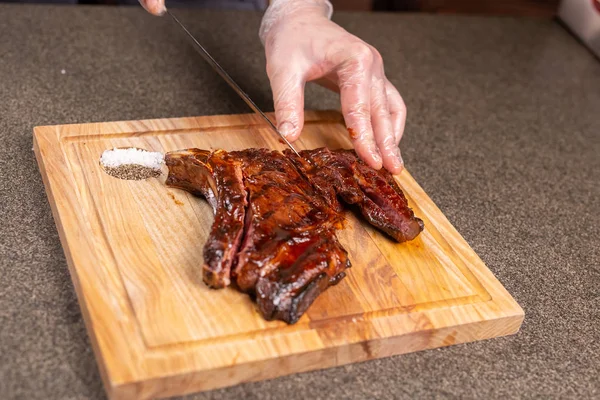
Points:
[[503, 133]]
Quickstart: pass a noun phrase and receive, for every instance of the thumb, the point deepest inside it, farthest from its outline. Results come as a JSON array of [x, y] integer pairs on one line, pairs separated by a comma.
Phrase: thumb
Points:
[[288, 100], [155, 7]]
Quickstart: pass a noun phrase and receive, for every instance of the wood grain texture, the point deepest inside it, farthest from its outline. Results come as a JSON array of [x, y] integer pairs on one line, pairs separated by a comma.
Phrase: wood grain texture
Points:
[[134, 250]]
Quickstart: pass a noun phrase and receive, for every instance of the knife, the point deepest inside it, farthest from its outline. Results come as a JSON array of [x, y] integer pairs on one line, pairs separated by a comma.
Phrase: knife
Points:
[[208, 58]]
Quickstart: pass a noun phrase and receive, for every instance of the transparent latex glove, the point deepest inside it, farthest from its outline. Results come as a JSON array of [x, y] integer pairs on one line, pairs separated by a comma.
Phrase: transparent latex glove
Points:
[[155, 7], [303, 45]]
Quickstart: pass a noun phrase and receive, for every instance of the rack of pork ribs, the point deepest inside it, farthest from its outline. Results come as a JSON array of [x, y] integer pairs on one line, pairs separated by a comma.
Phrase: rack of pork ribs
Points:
[[276, 215]]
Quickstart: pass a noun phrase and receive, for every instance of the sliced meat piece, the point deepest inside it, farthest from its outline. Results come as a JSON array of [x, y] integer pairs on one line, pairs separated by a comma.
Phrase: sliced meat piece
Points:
[[398, 220], [284, 212], [376, 193], [188, 170], [218, 178], [290, 253]]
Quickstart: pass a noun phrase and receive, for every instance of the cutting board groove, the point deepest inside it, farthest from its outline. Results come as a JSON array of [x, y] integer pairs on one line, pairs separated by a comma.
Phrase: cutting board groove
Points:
[[134, 251]]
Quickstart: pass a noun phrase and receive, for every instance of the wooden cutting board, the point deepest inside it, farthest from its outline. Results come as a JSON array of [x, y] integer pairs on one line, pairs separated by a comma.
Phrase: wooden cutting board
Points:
[[134, 250]]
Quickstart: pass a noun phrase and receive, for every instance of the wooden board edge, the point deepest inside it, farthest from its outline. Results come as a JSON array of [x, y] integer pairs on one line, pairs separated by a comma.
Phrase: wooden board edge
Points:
[[45, 131], [198, 381], [358, 331], [180, 123], [102, 367]]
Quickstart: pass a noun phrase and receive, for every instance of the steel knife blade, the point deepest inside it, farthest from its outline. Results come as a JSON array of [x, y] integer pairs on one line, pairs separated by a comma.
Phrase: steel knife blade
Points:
[[217, 67]]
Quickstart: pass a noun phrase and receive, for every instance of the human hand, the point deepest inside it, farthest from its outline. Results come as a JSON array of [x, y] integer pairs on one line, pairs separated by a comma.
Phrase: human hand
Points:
[[156, 7], [303, 45]]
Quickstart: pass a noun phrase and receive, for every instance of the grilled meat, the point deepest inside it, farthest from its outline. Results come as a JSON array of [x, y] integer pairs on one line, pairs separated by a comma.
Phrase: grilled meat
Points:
[[270, 225], [275, 219]]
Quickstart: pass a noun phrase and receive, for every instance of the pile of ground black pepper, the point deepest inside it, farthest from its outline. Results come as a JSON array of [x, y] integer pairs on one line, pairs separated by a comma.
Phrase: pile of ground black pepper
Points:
[[132, 172]]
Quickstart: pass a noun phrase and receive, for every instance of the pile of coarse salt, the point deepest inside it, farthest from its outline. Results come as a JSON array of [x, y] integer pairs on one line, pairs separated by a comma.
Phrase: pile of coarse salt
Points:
[[132, 163]]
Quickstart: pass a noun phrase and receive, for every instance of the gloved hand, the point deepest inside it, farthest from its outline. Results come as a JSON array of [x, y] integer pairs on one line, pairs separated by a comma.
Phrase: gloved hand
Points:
[[156, 7], [303, 45]]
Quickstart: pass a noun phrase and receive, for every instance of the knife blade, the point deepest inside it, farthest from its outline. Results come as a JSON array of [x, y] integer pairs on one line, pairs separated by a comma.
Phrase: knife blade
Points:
[[217, 67]]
